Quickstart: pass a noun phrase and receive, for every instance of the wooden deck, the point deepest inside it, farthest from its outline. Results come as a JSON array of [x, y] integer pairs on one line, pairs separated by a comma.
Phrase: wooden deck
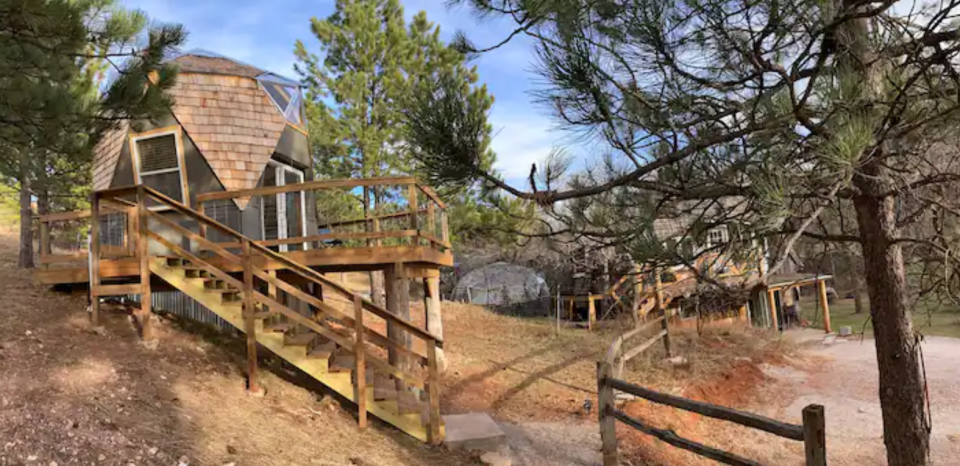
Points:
[[416, 235], [420, 260]]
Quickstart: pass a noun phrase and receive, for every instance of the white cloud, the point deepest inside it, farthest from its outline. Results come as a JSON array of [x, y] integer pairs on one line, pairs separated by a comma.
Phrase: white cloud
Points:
[[520, 139]]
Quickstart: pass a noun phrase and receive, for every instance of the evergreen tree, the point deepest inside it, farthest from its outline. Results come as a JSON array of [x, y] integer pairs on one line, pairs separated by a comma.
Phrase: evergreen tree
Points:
[[53, 54], [758, 115], [373, 62]]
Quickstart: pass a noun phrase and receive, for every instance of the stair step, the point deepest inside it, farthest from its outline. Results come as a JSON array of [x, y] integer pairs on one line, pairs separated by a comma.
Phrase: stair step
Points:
[[279, 327], [174, 262], [323, 351], [213, 283], [303, 339], [343, 363], [259, 315], [223, 290]]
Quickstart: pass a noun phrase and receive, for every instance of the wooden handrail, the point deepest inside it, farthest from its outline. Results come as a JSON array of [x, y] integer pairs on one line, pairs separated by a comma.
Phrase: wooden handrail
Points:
[[64, 216], [432, 195], [358, 221], [342, 236], [308, 185], [300, 269]]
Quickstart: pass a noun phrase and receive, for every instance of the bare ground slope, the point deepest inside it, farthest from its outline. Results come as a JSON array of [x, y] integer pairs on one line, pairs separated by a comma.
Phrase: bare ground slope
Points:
[[70, 394]]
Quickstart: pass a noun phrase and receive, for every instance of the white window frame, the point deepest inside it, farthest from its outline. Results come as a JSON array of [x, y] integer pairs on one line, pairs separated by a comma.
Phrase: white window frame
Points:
[[282, 205], [178, 142], [724, 236]]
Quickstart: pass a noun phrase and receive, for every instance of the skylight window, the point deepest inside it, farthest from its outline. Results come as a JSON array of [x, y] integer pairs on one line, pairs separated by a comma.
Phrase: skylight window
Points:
[[287, 96]]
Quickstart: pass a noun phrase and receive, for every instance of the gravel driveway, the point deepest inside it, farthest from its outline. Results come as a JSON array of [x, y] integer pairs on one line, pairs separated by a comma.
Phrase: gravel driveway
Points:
[[844, 380]]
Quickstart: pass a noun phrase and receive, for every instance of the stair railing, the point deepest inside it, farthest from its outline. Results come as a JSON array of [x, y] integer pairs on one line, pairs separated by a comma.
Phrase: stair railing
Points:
[[253, 262]]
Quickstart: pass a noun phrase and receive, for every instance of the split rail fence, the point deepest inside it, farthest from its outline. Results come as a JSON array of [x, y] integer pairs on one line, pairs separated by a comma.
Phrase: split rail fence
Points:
[[811, 432]]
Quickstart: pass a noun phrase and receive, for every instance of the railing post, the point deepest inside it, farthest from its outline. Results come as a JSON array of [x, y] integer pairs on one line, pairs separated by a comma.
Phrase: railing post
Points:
[[94, 252], [608, 424], [360, 354], [814, 436], [412, 201], [44, 242], [133, 230], [249, 323], [143, 248], [203, 227], [431, 218], [445, 230], [433, 393]]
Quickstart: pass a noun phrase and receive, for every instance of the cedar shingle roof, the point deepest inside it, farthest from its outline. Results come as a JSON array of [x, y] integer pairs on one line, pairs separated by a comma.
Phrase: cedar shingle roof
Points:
[[106, 155], [191, 63], [232, 121]]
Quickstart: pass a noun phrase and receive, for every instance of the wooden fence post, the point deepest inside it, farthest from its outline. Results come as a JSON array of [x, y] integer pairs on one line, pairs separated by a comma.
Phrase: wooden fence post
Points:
[[814, 435], [658, 295], [94, 252], [249, 324], [360, 354], [608, 424]]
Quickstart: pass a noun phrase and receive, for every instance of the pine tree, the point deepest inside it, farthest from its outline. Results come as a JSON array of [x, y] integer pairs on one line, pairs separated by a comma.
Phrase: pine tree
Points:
[[52, 56], [373, 62], [764, 116]]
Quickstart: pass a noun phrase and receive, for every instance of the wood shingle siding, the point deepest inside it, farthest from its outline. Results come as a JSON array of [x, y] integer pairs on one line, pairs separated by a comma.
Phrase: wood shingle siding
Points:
[[233, 122]]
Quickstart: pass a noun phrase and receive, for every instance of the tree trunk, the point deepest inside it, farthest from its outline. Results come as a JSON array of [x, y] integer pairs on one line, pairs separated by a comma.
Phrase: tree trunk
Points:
[[26, 216], [906, 432], [905, 426], [857, 296]]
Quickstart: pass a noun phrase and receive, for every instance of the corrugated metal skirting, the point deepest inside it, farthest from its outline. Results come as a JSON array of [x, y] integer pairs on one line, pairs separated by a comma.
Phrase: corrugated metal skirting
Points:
[[177, 303]]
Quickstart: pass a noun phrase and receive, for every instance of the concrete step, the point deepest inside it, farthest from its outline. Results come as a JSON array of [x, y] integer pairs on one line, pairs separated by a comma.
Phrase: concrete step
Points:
[[473, 431]]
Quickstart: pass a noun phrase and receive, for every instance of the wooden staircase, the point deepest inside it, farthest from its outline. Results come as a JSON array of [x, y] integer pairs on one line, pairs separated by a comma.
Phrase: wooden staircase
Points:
[[330, 342]]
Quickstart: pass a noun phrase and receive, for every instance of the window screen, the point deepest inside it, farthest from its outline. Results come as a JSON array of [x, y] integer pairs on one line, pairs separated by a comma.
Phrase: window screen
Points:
[[159, 165], [224, 211], [158, 153], [288, 99]]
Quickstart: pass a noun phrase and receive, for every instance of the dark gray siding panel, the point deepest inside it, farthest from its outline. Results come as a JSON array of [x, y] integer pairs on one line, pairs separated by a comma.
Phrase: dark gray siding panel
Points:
[[293, 146]]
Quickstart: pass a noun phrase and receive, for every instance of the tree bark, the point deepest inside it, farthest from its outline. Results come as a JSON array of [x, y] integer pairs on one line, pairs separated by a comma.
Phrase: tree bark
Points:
[[906, 432], [857, 295], [26, 216]]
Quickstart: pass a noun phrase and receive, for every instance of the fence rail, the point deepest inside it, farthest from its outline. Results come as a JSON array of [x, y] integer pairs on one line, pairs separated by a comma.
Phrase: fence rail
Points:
[[812, 432]]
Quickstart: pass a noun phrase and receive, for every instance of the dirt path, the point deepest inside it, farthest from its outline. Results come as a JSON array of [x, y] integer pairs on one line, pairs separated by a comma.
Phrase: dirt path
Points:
[[842, 376]]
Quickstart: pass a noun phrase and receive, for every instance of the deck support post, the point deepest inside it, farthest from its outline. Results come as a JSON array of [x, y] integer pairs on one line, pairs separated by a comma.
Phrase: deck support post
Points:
[[94, 251], [591, 312], [824, 304], [772, 303], [398, 303], [360, 353], [143, 246], [249, 324], [433, 393], [434, 318]]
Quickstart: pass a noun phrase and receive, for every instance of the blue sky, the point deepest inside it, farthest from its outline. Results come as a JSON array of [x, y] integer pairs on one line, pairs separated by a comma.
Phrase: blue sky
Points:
[[262, 33]]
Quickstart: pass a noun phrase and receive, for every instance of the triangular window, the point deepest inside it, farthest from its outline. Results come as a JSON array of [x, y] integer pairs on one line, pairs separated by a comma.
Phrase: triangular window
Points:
[[288, 99]]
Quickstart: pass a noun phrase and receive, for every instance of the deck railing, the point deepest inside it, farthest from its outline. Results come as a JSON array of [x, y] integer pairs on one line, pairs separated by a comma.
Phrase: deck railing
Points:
[[415, 216], [348, 328]]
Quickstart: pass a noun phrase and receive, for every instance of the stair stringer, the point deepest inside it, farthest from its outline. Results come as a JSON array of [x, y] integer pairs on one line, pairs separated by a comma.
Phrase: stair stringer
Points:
[[340, 382]]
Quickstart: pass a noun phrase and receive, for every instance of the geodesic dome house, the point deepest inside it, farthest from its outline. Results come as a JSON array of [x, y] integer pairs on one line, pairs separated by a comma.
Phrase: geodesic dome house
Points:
[[502, 284]]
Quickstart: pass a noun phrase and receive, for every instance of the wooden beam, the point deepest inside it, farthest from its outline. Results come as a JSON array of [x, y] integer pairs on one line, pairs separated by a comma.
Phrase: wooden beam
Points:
[[143, 243], [432, 195], [117, 290], [360, 355], [754, 421], [308, 186], [643, 346], [249, 324], [94, 262], [63, 216], [672, 438]]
